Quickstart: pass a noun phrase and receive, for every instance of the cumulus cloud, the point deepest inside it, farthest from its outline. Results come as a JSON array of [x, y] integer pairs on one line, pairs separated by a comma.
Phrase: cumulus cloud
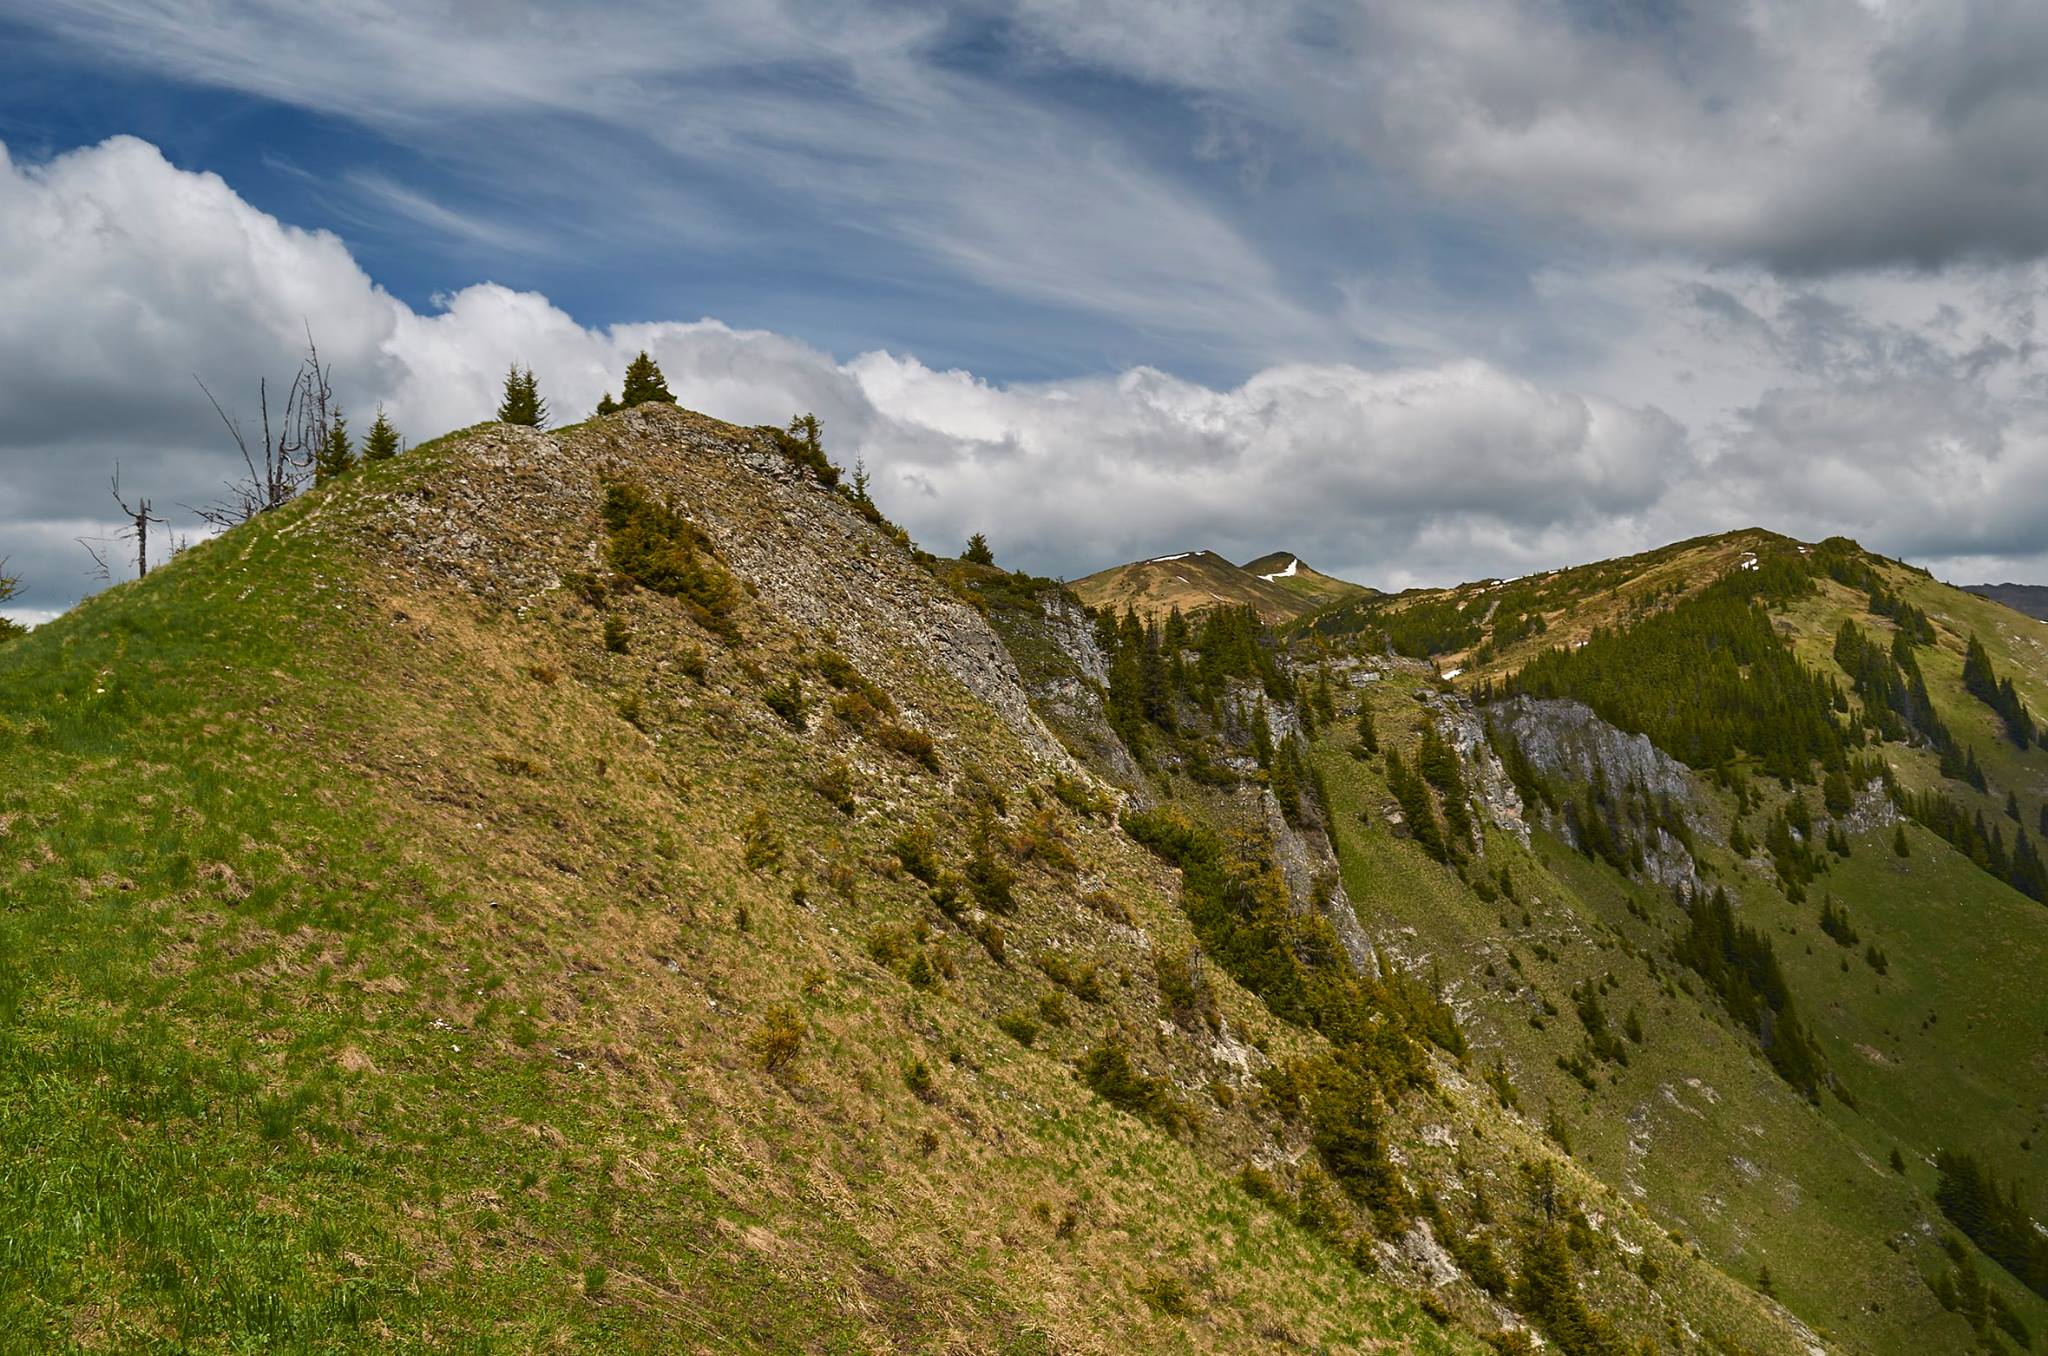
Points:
[[1910, 415], [135, 275]]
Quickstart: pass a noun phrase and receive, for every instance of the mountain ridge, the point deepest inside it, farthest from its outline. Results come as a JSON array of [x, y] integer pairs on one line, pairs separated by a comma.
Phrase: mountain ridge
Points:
[[605, 885]]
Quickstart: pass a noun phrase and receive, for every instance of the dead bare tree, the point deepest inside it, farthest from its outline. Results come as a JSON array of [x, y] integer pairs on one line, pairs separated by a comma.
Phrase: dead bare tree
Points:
[[285, 462], [139, 518]]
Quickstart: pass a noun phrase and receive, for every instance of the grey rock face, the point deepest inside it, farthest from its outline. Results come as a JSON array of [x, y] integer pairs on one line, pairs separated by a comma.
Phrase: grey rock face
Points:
[[1310, 866], [1487, 777], [1566, 739]]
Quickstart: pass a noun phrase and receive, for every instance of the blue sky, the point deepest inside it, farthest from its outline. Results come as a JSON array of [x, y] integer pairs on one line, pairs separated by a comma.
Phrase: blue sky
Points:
[[1421, 292]]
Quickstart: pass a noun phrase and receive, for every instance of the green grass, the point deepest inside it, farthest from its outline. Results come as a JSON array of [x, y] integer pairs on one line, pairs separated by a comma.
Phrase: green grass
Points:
[[366, 982]]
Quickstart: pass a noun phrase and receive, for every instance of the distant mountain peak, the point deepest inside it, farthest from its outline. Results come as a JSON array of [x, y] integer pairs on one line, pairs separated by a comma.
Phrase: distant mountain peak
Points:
[[1280, 585]]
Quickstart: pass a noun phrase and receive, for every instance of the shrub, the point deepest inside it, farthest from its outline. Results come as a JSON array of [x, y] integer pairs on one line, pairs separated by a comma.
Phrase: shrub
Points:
[[1019, 1027], [655, 546], [1053, 1009], [919, 855], [617, 637], [1080, 797], [1168, 1294], [1108, 906], [1040, 840], [1345, 1126], [989, 877], [838, 670], [786, 699], [917, 1076], [915, 745], [1109, 1073], [1188, 999], [1082, 981], [835, 784], [889, 946], [762, 845], [778, 1039], [802, 442], [1547, 1292]]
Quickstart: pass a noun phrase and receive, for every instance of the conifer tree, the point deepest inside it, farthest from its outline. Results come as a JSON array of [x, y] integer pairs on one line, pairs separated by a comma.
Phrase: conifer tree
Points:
[[978, 551], [2000, 695], [644, 384], [9, 586], [806, 429], [606, 405], [1369, 736], [1835, 793], [1899, 845], [522, 403], [336, 455], [382, 442]]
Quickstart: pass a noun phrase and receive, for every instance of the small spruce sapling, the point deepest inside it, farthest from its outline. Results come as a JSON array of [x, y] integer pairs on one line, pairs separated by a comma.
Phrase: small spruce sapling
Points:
[[382, 442], [336, 454], [978, 551]]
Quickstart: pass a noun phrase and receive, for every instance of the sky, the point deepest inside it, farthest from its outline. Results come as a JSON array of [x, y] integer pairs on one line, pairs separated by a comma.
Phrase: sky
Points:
[[1421, 292]]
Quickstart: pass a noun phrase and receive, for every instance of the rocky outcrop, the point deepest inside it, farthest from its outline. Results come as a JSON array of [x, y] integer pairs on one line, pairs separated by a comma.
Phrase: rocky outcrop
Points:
[[1314, 882], [1488, 779], [1567, 741], [521, 514]]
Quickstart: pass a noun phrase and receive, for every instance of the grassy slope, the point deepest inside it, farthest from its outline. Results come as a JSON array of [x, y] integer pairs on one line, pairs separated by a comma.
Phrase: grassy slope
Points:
[[366, 979], [1696, 1127], [1811, 1187], [1574, 601]]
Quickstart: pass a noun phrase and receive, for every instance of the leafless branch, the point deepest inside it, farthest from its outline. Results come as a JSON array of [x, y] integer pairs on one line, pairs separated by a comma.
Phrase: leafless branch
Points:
[[96, 547], [285, 462]]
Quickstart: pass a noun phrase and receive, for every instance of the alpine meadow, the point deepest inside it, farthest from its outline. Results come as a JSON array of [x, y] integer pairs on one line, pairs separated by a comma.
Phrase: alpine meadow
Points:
[[553, 829]]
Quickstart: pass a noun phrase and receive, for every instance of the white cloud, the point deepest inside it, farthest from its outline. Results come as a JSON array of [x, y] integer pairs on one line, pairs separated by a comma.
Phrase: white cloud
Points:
[[132, 274]]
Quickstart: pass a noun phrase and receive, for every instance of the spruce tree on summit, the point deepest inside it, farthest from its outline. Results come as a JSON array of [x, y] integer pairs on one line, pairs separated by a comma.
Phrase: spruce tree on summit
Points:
[[522, 403], [644, 383], [382, 442]]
